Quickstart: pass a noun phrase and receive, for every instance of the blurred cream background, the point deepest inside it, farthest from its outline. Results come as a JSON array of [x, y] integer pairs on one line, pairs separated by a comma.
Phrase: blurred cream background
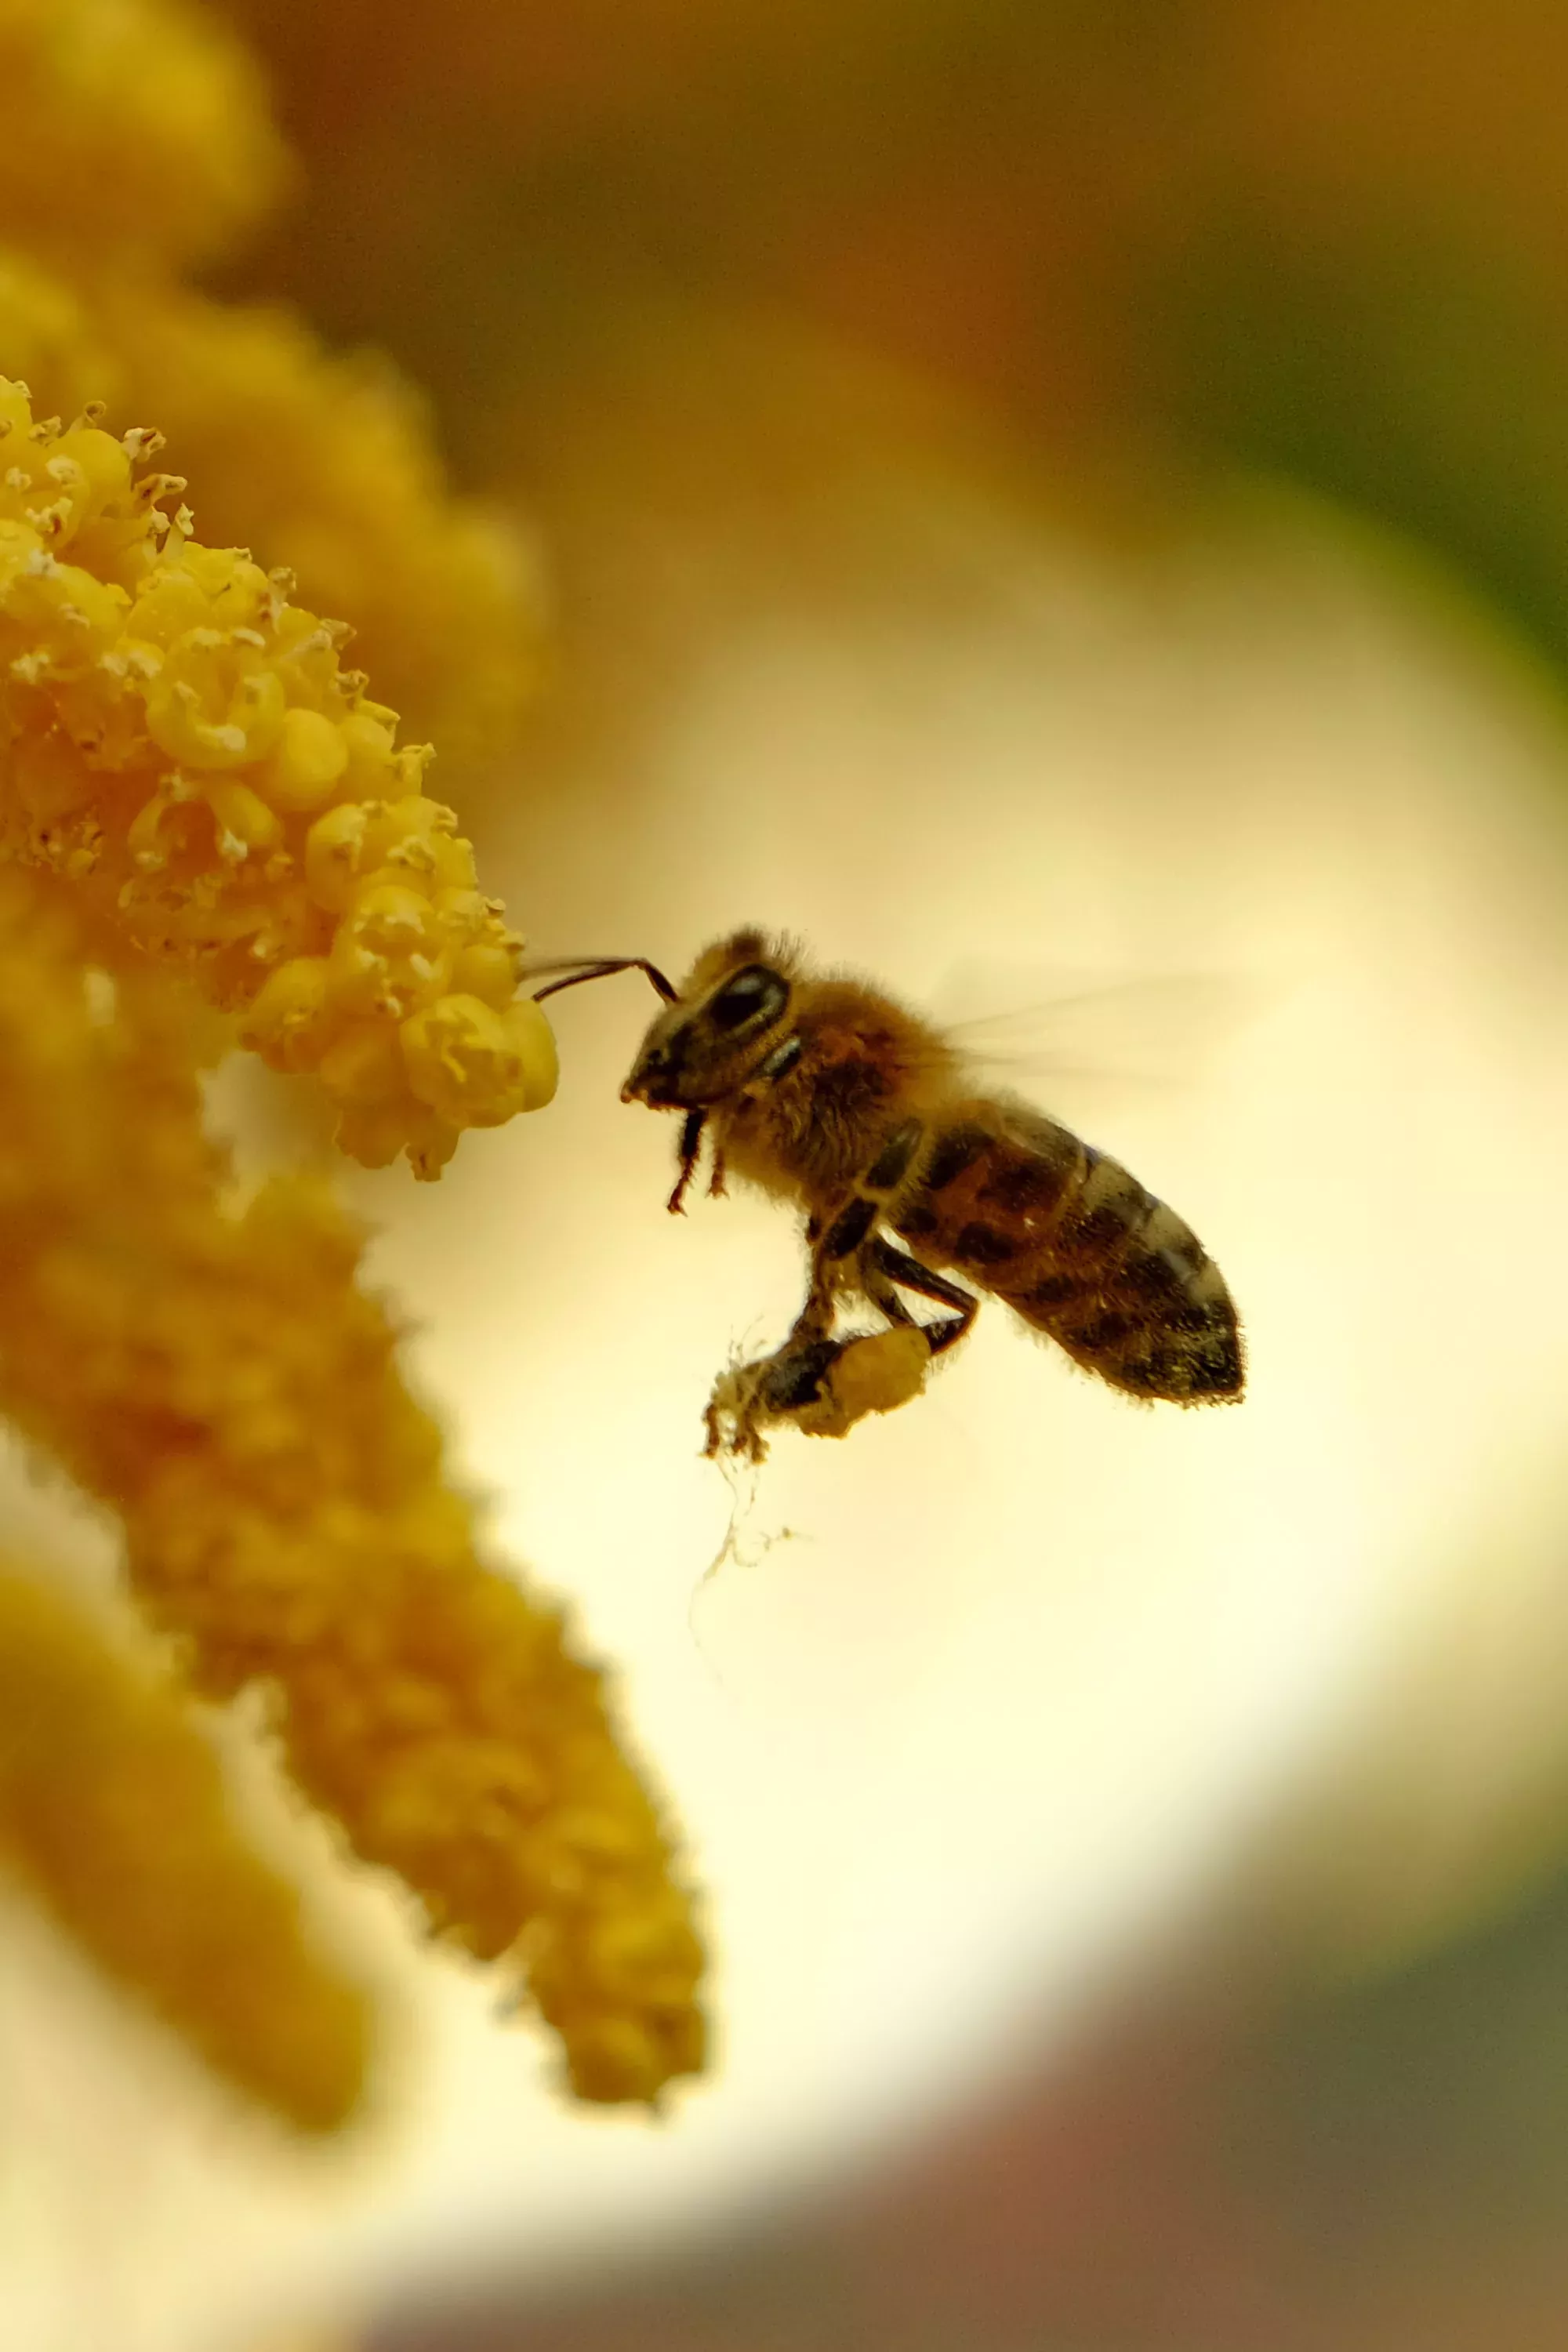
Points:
[[1005, 1688]]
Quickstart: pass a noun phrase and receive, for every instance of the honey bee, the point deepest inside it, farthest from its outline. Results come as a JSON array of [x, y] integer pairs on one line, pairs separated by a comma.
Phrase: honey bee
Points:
[[828, 1094]]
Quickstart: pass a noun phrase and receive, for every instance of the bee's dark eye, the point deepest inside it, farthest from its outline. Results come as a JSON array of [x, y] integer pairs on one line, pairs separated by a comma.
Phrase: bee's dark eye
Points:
[[755, 993]]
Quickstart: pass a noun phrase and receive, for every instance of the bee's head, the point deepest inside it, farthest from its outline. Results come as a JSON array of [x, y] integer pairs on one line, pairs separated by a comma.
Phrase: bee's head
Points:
[[728, 1021]]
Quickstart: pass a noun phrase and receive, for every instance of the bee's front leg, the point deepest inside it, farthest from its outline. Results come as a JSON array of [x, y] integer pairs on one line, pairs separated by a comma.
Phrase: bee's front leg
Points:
[[687, 1152]]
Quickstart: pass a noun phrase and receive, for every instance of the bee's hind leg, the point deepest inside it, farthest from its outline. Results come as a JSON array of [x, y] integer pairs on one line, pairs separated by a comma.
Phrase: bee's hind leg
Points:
[[790, 1381], [823, 1386], [776, 1387], [883, 1266], [808, 1379], [879, 1289]]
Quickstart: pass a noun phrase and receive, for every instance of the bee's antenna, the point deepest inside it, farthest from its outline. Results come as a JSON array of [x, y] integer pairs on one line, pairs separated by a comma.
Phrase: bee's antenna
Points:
[[580, 968]]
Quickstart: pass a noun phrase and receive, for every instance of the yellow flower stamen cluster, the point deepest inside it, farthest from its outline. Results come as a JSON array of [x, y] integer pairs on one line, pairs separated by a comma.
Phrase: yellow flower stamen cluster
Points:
[[135, 126], [114, 1814], [212, 1371], [183, 742]]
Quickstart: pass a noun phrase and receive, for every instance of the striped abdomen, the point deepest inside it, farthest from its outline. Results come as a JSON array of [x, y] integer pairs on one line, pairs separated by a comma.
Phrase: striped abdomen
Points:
[[1076, 1247]]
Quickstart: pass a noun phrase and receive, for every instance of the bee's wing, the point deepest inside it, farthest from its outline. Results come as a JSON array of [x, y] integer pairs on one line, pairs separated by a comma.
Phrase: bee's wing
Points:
[[1110, 1038]]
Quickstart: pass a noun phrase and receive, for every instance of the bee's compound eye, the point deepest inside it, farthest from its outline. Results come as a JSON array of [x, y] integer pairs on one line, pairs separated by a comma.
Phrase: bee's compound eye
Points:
[[755, 992]]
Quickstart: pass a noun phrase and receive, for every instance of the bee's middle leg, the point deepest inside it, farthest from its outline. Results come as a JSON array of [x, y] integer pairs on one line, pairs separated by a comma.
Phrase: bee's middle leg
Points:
[[834, 1247], [844, 1252]]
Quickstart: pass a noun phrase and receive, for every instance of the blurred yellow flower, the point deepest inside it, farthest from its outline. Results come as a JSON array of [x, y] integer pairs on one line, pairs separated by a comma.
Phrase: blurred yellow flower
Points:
[[50, 340], [113, 1813], [134, 127]]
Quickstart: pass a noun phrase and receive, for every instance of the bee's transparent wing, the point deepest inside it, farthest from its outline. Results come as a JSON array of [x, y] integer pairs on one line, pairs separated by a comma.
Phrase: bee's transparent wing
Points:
[[1091, 1041]]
